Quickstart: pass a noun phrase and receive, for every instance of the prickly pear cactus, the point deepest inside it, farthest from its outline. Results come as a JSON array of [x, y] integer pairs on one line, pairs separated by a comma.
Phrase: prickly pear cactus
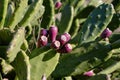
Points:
[[3, 12], [46, 62], [24, 63], [59, 40], [15, 44], [97, 21]]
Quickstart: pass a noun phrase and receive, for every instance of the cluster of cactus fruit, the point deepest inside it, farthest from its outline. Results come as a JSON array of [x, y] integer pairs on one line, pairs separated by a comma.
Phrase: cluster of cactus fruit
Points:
[[33, 32], [59, 43]]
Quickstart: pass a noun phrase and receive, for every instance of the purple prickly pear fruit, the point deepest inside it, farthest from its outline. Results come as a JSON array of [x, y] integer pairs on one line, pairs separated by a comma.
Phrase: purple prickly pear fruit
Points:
[[42, 41], [89, 73], [53, 31], [106, 33], [67, 48], [55, 44], [44, 32], [58, 5], [68, 36], [62, 39]]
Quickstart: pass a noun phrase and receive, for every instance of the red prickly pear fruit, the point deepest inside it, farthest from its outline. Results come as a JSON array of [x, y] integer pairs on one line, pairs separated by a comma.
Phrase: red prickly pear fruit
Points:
[[62, 39], [106, 33], [55, 44], [58, 5], [42, 41], [44, 32], [89, 73], [68, 36], [53, 31], [67, 48]]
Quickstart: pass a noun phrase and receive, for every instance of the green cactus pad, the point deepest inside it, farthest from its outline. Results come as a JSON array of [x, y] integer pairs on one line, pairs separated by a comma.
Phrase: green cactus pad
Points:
[[6, 36], [3, 12], [15, 44], [96, 22], [18, 13], [75, 27], [38, 51], [84, 8], [114, 37], [37, 16], [111, 68], [116, 4], [66, 19], [24, 45], [10, 11], [115, 44], [99, 77], [31, 12], [3, 51], [43, 64], [6, 67], [49, 15], [115, 22], [82, 59], [21, 65]]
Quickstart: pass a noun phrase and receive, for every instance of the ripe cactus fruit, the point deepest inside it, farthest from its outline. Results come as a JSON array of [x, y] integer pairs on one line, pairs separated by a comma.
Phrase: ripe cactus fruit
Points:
[[58, 5], [55, 44], [44, 32], [106, 33], [68, 36], [53, 30], [67, 48], [89, 73], [42, 41], [62, 39]]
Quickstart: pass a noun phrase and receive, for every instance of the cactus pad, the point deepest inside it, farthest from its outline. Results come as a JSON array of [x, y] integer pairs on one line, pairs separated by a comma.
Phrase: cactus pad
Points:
[[96, 22], [15, 44]]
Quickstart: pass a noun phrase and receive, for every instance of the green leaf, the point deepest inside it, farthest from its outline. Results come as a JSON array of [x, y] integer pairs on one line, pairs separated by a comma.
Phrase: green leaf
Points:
[[38, 51], [10, 11], [99, 77], [35, 20], [114, 37], [82, 59], [3, 51], [21, 65], [6, 67], [96, 22], [115, 22], [18, 13], [15, 44], [5, 36], [3, 12], [48, 17], [66, 19], [31, 12], [115, 66], [43, 64]]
